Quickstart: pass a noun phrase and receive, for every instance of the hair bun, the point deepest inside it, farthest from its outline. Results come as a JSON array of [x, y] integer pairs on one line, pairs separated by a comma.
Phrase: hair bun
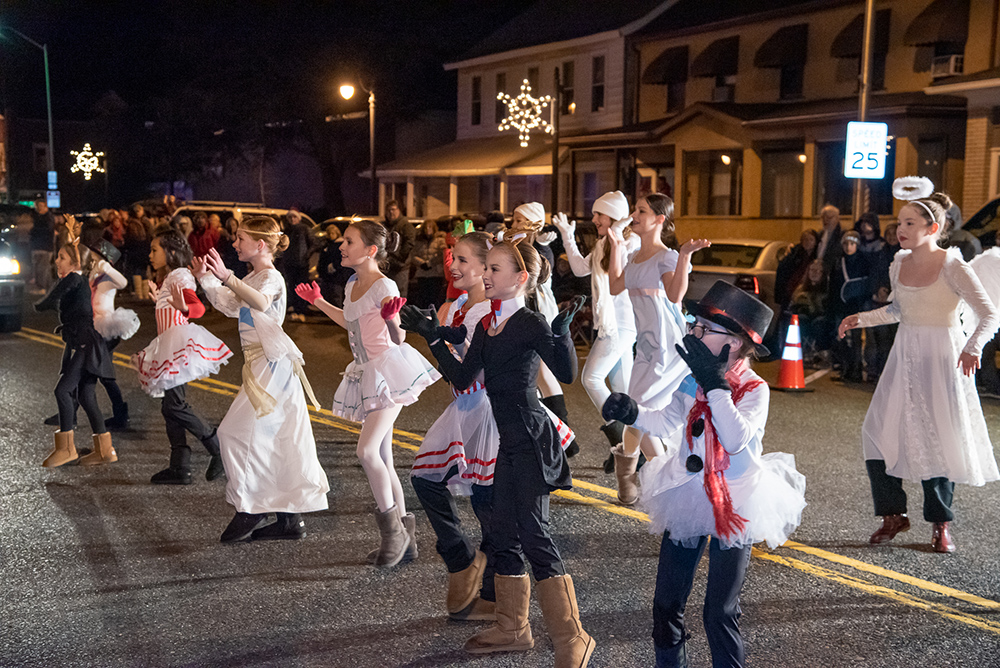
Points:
[[282, 243]]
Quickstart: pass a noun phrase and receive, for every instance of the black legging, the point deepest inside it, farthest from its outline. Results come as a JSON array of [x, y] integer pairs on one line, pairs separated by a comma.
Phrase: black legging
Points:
[[76, 380]]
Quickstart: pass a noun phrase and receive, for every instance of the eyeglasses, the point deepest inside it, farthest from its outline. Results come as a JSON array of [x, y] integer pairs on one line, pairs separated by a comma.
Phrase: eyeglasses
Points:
[[699, 330]]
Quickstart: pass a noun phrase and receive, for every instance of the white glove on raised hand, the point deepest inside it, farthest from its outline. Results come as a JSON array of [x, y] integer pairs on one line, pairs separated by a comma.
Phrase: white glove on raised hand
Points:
[[566, 227], [618, 227], [545, 238]]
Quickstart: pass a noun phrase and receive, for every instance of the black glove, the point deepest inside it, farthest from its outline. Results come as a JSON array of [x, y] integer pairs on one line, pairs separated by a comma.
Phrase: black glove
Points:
[[453, 335], [560, 323], [420, 321], [620, 407], [426, 266], [709, 370]]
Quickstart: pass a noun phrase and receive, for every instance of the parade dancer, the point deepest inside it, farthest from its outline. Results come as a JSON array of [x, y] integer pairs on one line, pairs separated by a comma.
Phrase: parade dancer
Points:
[[266, 438], [180, 353], [610, 357], [507, 351], [528, 219], [925, 422], [386, 375], [85, 360], [714, 488], [656, 278]]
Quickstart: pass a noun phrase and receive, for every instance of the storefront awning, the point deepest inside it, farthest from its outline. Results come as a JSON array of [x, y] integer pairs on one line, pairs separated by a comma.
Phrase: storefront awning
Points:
[[941, 21], [669, 67], [787, 46], [848, 44], [720, 58], [475, 157]]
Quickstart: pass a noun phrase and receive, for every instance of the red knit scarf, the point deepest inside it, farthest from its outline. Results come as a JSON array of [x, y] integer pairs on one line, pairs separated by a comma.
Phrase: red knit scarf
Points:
[[727, 521]]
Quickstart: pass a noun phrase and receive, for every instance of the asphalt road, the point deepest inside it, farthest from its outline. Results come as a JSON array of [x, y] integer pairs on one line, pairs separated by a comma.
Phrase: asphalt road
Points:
[[104, 569]]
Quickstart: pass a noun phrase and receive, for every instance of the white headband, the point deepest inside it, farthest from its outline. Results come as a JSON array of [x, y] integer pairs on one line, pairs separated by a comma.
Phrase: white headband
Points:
[[926, 208]]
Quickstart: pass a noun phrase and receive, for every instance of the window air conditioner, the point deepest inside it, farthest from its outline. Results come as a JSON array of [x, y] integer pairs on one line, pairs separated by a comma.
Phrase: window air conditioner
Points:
[[946, 66]]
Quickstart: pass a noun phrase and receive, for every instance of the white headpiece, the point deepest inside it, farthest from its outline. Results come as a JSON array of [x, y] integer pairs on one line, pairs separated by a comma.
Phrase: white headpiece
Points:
[[533, 211], [909, 188], [614, 205]]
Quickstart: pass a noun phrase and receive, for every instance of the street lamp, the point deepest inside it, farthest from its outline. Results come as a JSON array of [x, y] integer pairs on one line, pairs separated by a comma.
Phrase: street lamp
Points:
[[347, 92], [48, 91]]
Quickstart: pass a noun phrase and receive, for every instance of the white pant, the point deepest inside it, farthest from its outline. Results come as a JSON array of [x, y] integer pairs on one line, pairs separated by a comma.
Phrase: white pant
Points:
[[610, 358]]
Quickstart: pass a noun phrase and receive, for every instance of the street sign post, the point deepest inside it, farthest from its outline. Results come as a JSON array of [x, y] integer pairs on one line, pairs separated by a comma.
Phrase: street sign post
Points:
[[52, 199], [866, 150]]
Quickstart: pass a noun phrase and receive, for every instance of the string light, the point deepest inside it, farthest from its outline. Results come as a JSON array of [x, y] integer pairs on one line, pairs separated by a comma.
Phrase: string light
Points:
[[524, 112], [87, 161]]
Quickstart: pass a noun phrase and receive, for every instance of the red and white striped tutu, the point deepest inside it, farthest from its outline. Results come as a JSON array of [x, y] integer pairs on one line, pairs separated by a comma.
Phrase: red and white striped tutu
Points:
[[181, 353]]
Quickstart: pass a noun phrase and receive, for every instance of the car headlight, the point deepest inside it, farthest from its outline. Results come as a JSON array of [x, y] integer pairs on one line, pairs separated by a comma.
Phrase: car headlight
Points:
[[9, 266]]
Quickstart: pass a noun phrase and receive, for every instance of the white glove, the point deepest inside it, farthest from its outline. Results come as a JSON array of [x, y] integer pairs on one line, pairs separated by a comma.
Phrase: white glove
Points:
[[618, 227], [566, 227], [545, 238]]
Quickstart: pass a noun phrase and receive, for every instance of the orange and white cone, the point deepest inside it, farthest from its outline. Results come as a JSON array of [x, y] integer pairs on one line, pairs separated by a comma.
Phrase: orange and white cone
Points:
[[791, 375]]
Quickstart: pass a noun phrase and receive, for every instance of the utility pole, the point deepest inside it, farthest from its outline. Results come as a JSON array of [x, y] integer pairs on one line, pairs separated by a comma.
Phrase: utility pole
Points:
[[863, 92], [556, 112]]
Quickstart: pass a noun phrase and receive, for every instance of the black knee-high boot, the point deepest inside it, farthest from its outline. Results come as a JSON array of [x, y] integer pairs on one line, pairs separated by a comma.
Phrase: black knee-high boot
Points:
[[557, 404]]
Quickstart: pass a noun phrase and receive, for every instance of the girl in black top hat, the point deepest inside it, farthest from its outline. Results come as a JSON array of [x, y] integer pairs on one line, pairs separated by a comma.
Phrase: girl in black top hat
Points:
[[718, 484], [508, 346]]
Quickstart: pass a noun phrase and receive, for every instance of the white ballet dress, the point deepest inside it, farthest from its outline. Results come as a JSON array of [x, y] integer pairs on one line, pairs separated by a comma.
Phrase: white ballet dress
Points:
[[659, 325], [110, 322], [182, 351], [766, 489], [382, 374], [466, 434], [266, 440], [925, 420]]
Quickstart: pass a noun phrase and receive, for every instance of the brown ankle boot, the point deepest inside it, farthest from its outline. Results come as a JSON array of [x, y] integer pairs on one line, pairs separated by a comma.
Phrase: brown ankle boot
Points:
[[464, 585], [573, 645], [941, 539], [64, 451], [511, 632], [628, 479], [104, 452], [891, 525], [394, 538]]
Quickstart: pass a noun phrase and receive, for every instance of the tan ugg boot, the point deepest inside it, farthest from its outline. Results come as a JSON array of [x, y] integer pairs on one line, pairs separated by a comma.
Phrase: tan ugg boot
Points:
[[64, 451], [628, 479], [395, 540], [104, 452], [573, 645], [511, 632], [477, 611], [464, 585]]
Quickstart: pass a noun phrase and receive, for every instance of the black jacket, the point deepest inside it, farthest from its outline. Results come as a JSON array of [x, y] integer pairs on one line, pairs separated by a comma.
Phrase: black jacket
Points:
[[71, 297]]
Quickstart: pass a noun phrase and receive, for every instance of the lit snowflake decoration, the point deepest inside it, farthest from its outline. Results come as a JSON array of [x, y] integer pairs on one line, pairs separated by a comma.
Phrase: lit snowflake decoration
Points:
[[524, 112], [87, 161]]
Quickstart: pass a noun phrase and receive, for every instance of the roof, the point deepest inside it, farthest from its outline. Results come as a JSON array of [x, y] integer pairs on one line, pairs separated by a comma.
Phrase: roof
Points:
[[983, 79], [549, 21], [693, 15], [476, 157]]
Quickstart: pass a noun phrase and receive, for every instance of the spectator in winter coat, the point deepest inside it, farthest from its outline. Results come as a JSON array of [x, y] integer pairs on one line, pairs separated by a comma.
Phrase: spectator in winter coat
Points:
[[399, 260], [793, 268]]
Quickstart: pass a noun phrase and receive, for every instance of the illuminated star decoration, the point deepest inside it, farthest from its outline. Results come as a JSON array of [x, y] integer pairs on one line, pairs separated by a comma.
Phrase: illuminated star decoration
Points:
[[524, 113], [87, 161]]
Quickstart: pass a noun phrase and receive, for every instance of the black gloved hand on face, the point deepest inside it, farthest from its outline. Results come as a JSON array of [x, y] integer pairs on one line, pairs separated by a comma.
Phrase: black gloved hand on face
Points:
[[620, 407], [561, 323], [708, 369]]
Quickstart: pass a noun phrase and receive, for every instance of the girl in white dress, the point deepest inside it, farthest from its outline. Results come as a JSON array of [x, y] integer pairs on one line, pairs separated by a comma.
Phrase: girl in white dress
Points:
[[266, 438], [610, 357], [656, 279], [386, 374], [925, 422]]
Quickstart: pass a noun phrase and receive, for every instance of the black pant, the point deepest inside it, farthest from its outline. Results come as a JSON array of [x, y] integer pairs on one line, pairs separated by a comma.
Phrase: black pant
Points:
[[847, 352], [453, 545], [180, 419], [890, 499], [76, 383], [521, 517], [674, 577]]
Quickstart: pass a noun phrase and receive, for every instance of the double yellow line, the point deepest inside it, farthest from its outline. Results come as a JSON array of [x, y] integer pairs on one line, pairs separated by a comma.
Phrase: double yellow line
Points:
[[411, 441]]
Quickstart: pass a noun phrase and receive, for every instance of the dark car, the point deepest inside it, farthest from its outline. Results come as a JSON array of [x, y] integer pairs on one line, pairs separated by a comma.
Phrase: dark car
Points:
[[984, 224], [11, 271]]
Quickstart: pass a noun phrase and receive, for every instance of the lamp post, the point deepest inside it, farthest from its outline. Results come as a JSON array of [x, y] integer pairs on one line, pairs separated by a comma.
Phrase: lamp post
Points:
[[347, 92], [48, 91]]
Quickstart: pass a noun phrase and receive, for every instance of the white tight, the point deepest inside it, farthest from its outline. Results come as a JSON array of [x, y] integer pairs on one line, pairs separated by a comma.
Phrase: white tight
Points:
[[610, 358], [375, 453]]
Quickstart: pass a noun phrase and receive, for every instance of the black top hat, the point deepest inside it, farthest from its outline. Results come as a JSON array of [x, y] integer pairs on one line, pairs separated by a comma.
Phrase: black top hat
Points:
[[736, 310], [105, 249]]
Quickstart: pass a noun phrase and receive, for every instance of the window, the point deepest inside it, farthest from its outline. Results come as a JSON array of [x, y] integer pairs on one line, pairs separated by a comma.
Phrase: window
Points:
[[500, 109], [675, 96], [40, 157], [568, 97], [781, 183], [590, 193], [791, 82], [477, 100], [597, 84], [713, 182], [533, 79], [725, 88], [932, 153]]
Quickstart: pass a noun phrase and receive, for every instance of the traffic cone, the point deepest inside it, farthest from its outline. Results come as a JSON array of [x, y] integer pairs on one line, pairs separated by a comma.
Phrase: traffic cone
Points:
[[791, 376]]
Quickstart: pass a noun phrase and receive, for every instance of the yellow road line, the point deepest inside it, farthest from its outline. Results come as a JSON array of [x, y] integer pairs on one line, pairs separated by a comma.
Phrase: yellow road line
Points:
[[227, 389]]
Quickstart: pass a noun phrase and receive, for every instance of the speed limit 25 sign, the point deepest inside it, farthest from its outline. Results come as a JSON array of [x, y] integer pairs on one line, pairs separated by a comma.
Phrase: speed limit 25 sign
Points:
[[866, 150]]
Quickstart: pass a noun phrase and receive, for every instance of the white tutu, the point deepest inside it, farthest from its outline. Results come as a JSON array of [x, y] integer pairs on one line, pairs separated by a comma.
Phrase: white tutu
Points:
[[397, 376], [770, 497], [180, 354], [122, 323]]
